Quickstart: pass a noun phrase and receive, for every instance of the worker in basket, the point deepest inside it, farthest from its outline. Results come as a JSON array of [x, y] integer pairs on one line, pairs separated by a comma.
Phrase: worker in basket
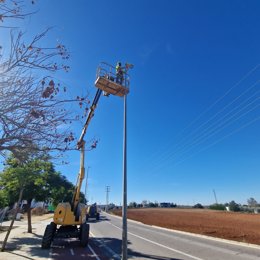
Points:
[[119, 73]]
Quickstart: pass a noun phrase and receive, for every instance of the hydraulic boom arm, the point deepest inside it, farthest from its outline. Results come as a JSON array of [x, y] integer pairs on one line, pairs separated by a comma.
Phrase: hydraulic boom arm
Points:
[[81, 146], [90, 115]]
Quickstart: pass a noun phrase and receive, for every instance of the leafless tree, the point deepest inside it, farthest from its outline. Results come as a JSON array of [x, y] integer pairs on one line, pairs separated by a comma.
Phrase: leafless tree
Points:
[[252, 202], [34, 114], [33, 108]]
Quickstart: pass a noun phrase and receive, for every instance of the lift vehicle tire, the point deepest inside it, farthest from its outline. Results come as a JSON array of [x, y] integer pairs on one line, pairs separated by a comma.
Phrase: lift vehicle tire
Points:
[[84, 234], [48, 235], [97, 217]]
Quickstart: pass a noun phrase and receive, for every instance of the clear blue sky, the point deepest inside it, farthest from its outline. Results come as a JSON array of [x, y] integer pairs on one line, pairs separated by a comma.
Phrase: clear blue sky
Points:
[[193, 116]]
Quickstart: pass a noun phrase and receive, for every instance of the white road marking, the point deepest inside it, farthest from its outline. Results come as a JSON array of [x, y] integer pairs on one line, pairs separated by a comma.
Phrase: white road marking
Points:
[[56, 246], [114, 255], [93, 252], [50, 254], [155, 243], [91, 249], [72, 251]]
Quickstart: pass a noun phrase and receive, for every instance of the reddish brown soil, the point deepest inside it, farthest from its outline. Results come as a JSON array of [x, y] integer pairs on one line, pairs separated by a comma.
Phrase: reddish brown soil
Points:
[[241, 227]]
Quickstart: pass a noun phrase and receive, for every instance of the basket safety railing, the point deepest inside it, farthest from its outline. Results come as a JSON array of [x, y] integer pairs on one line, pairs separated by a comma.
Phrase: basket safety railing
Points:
[[108, 71]]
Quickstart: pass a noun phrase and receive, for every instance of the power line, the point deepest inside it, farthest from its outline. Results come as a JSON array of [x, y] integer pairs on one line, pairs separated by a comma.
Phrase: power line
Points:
[[218, 127], [166, 150], [195, 132], [220, 139], [214, 129], [194, 153]]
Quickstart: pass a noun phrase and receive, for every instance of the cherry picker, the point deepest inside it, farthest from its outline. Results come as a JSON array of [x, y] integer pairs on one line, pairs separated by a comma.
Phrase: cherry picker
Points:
[[70, 217]]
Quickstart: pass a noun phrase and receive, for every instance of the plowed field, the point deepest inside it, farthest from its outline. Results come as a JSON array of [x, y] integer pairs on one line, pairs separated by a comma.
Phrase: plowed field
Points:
[[243, 227]]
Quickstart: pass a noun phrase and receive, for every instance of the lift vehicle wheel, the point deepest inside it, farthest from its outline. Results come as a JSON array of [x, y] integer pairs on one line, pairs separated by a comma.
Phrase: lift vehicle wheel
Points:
[[84, 234], [98, 216], [48, 235]]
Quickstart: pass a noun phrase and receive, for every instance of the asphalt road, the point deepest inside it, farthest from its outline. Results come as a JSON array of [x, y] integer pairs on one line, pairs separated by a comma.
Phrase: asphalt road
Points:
[[146, 242]]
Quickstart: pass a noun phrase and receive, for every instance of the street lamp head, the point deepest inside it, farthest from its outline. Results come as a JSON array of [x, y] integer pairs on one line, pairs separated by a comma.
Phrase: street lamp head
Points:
[[129, 66]]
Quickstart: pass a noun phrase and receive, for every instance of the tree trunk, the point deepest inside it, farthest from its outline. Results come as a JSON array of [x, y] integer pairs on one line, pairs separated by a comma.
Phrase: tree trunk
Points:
[[29, 215], [12, 223]]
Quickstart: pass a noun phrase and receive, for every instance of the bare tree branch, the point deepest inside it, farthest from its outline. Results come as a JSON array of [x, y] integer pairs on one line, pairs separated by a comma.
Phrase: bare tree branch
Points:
[[12, 9], [35, 114]]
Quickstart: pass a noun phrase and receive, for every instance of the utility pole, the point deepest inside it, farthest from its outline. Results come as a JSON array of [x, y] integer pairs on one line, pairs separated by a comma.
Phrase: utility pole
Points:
[[107, 197], [86, 187], [215, 196]]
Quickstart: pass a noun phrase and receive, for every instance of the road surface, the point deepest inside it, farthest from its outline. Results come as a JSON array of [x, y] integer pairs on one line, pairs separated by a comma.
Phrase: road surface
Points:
[[146, 242]]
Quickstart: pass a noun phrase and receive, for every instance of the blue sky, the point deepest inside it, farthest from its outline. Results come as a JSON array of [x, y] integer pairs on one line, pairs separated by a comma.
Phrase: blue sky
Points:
[[193, 107]]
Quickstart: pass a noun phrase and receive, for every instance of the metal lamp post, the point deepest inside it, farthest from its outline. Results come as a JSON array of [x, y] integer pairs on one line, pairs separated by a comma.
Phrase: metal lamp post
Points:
[[124, 207]]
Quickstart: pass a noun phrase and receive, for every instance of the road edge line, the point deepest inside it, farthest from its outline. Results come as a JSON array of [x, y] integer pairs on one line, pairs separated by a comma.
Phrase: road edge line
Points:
[[161, 245], [130, 220]]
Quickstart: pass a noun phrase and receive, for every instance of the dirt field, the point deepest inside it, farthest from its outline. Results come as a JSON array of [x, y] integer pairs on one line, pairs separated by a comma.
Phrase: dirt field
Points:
[[241, 227]]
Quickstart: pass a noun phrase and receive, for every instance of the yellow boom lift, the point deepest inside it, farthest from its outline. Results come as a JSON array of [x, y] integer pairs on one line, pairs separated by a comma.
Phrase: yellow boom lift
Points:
[[70, 217]]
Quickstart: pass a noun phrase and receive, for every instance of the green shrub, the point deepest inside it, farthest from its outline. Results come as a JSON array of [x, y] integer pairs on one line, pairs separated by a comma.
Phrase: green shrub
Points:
[[198, 206], [233, 206], [217, 206]]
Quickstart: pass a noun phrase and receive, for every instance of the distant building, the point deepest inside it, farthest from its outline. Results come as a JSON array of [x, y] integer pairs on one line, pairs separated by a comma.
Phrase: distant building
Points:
[[164, 204]]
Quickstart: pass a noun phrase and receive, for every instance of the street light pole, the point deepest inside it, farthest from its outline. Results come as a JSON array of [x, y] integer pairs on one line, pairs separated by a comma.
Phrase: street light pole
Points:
[[124, 208], [107, 197], [86, 201]]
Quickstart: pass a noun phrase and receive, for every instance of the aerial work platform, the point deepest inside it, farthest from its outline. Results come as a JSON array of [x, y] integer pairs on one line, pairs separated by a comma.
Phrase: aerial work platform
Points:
[[107, 80]]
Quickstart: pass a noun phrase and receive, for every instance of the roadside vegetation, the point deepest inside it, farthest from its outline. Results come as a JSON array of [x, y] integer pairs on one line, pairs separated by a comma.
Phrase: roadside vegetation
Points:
[[251, 206], [37, 179]]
